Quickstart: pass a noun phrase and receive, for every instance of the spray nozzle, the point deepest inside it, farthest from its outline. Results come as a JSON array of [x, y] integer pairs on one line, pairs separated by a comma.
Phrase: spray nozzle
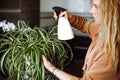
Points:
[[58, 10]]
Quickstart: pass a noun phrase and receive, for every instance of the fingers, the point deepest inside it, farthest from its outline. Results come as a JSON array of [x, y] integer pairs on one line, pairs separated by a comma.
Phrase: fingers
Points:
[[48, 65], [55, 16], [65, 14], [44, 58], [45, 61]]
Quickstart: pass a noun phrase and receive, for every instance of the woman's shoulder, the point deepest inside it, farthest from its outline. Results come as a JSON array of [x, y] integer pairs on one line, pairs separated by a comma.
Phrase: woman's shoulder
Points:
[[93, 29]]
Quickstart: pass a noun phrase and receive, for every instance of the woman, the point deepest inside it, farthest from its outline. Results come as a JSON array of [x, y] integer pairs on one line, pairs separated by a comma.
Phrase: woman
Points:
[[102, 59]]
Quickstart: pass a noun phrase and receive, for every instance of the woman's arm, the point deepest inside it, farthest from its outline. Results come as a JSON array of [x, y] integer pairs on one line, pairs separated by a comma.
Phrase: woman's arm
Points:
[[84, 25], [79, 22], [61, 75]]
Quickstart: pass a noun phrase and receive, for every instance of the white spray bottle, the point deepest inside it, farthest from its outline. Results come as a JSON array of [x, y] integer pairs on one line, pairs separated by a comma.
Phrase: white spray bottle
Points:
[[64, 29]]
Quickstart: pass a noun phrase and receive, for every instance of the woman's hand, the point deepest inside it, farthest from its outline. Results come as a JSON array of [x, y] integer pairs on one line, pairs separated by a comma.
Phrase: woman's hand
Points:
[[48, 65], [61, 75], [65, 14]]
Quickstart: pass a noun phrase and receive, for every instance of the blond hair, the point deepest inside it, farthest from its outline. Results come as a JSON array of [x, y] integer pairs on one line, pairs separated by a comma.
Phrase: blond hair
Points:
[[110, 28]]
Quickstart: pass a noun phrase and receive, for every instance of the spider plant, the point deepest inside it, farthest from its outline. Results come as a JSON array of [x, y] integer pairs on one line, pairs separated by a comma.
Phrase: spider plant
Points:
[[21, 52]]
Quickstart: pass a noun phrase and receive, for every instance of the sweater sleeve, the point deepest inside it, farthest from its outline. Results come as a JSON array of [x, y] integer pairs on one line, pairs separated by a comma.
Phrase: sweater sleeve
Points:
[[83, 25]]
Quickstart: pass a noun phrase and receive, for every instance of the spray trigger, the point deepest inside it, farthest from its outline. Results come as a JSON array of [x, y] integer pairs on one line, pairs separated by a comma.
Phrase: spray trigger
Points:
[[58, 10]]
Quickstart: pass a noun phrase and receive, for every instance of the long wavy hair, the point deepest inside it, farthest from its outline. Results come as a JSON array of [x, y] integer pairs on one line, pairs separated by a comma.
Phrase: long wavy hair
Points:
[[110, 29]]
